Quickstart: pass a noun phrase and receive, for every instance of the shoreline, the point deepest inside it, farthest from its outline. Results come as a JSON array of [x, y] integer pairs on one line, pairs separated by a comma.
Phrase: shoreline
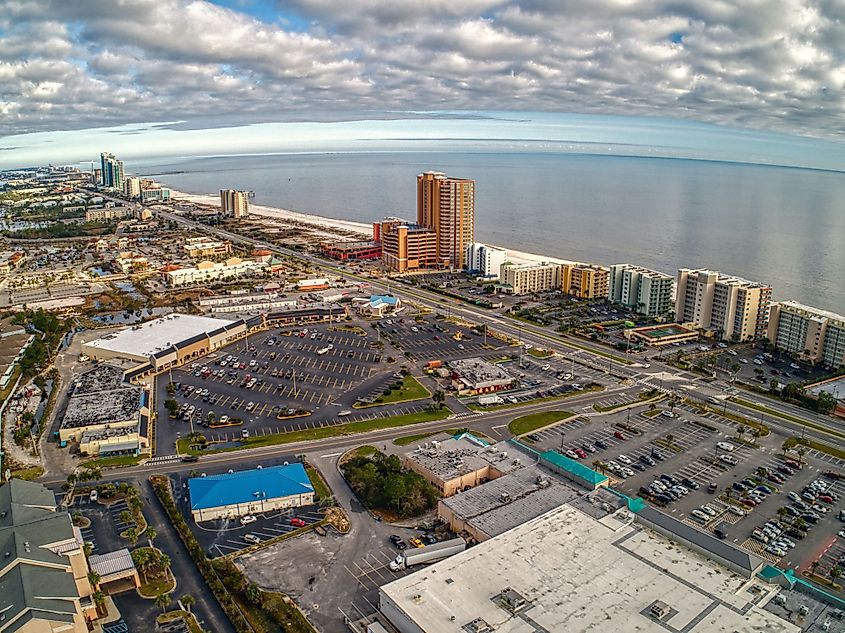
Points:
[[330, 225]]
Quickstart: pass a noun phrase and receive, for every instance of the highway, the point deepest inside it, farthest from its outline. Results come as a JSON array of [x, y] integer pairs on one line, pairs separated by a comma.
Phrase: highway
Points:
[[671, 379]]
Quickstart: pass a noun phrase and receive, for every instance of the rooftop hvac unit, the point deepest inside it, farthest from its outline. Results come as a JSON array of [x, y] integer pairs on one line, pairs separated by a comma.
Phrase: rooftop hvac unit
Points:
[[435, 444], [505, 497], [543, 482], [478, 626]]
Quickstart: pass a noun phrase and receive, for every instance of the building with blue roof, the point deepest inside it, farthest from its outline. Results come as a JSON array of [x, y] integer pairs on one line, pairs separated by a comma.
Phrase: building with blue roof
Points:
[[236, 494], [377, 305]]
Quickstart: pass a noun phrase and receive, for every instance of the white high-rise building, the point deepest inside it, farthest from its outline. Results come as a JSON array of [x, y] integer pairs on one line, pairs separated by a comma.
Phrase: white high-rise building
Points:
[[484, 260], [731, 307], [642, 290], [528, 278], [816, 336]]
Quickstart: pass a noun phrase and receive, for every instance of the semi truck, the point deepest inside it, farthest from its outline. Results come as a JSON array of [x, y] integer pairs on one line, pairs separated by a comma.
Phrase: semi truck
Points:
[[428, 554]]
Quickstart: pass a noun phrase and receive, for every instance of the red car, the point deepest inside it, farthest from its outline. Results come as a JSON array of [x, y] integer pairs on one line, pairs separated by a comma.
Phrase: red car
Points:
[[826, 498], [830, 474], [581, 453], [296, 521], [618, 435]]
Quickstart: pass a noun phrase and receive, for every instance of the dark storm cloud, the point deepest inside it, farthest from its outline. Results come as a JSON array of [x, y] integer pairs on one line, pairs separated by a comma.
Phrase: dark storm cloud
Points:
[[773, 64]]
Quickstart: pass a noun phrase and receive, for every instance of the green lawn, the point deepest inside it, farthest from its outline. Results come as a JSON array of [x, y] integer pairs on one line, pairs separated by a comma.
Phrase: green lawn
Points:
[[324, 432], [533, 421], [321, 488], [785, 416], [28, 474], [411, 439], [411, 390], [792, 442], [540, 353], [113, 462]]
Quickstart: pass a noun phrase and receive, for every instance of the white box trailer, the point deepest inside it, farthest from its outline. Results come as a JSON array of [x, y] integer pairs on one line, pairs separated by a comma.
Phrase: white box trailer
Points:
[[428, 554], [488, 400]]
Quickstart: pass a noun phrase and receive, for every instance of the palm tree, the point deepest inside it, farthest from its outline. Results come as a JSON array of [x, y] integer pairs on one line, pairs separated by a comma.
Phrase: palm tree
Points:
[[187, 601], [835, 573], [814, 566], [99, 599], [125, 516], [94, 579], [88, 549], [162, 600], [163, 563], [757, 434], [801, 452], [740, 431], [142, 558], [150, 533], [669, 439], [438, 398], [133, 535], [781, 512]]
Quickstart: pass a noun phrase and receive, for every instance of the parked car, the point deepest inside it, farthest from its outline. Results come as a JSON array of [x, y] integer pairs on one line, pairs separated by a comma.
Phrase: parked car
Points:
[[619, 435], [297, 522]]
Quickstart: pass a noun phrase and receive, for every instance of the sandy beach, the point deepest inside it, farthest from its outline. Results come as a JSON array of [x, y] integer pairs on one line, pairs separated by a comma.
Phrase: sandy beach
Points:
[[332, 225]]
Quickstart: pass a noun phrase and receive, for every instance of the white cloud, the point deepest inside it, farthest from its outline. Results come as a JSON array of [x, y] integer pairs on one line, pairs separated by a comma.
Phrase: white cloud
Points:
[[773, 64]]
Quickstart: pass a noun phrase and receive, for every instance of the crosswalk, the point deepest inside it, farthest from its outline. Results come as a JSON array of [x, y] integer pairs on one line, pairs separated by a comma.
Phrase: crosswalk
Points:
[[163, 459]]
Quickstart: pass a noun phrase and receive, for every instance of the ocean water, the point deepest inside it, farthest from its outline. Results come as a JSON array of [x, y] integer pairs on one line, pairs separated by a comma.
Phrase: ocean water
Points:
[[783, 226]]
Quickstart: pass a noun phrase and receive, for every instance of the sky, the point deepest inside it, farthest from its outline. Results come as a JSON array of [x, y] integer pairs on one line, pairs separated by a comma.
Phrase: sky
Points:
[[755, 80]]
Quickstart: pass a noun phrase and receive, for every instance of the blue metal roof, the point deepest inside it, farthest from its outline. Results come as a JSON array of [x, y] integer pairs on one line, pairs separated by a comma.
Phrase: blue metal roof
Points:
[[375, 300], [248, 485]]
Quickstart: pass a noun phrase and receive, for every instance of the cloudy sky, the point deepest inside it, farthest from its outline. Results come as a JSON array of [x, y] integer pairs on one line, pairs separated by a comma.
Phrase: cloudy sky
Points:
[[770, 66]]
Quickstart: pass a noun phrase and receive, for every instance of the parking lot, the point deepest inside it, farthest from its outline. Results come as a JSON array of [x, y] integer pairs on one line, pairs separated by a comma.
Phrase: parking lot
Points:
[[277, 381], [709, 470], [428, 338]]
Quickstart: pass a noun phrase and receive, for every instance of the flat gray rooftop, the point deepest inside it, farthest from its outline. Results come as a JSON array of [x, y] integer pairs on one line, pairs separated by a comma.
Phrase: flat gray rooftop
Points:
[[450, 458], [578, 574], [102, 407], [511, 500]]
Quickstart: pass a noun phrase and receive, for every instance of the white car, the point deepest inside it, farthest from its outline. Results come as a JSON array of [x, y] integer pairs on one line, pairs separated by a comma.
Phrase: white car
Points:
[[625, 459], [727, 459], [737, 511], [246, 520], [732, 352], [708, 510], [667, 414], [546, 367], [726, 446], [795, 365], [698, 514], [744, 361]]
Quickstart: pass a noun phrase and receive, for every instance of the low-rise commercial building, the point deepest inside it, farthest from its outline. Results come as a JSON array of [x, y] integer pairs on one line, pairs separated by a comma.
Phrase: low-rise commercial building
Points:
[[731, 308], [243, 302], [521, 279], [310, 285], [152, 192], [129, 264], [585, 281], [196, 247], [456, 464], [661, 335], [100, 401], [347, 251], [641, 290], [236, 494], [110, 441], [116, 571], [377, 306], [208, 271], [43, 574], [407, 246], [472, 376], [816, 336], [578, 568], [484, 260], [167, 341]]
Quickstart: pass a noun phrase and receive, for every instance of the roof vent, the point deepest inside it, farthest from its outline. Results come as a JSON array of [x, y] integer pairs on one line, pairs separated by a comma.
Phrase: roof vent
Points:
[[511, 600], [505, 497], [478, 625]]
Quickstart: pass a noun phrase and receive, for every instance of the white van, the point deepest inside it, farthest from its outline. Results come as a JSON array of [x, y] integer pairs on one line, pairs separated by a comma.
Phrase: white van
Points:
[[251, 538], [246, 520]]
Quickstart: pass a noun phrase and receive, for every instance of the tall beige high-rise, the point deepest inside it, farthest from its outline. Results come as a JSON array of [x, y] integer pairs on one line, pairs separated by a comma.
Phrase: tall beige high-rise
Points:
[[234, 203], [447, 206]]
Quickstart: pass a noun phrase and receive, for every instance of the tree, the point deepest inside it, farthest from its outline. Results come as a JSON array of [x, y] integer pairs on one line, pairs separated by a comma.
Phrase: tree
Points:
[[669, 439], [88, 549], [94, 579], [835, 573], [171, 388], [814, 566], [162, 600], [172, 407], [187, 601], [143, 559], [756, 434], [740, 431], [253, 594], [150, 533], [781, 512], [126, 517], [99, 599], [825, 403], [132, 534], [438, 398]]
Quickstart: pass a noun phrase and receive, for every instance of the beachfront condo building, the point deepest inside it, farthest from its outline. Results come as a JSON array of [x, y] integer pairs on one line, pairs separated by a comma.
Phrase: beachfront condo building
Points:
[[484, 260], [406, 246], [132, 187], [585, 281], [522, 279], [730, 307], [641, 290], [815, 336], [111, 170], [447, 206], [234, 204]]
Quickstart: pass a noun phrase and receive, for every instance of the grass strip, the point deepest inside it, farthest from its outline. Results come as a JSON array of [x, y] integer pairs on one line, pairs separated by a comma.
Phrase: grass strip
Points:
[[118, 461], [533, 421], [821, 447], [321, 488], [411, 389], [786, 416], [184, 444], [412, 439]]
